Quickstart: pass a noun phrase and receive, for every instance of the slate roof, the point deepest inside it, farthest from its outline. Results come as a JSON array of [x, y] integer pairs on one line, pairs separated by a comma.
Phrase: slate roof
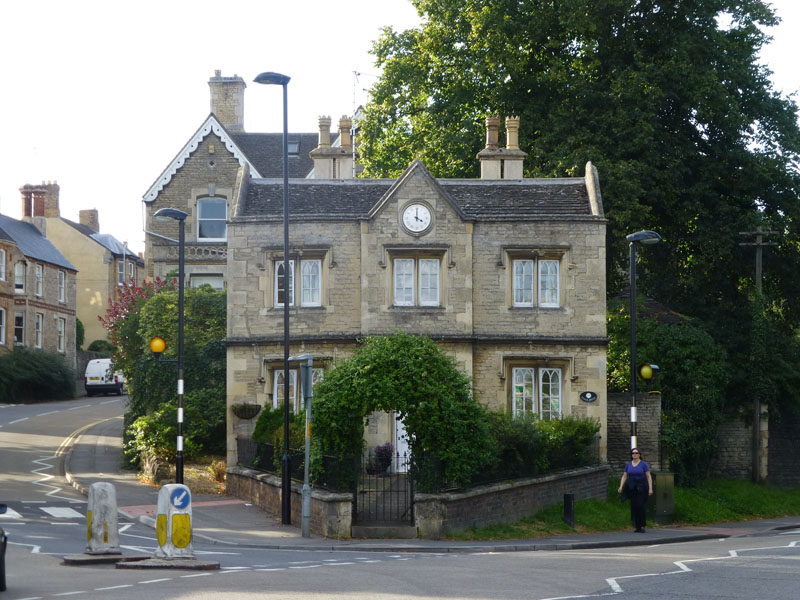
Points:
[[264, 151], [481, 200], [108, 241], [32, 243]]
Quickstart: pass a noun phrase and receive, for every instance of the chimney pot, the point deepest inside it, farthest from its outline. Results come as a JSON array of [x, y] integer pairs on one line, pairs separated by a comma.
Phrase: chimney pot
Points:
[[512, 133], [324, 131], [492, 131]]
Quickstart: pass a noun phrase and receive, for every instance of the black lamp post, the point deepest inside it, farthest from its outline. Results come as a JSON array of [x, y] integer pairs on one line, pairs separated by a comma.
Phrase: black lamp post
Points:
[[646, 237], [270, 78], [180, 216]]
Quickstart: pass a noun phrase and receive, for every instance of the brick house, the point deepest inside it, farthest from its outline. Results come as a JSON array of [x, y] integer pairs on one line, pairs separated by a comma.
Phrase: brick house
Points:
[[507, 274], [37, 291], [103, 262], [201, 179]]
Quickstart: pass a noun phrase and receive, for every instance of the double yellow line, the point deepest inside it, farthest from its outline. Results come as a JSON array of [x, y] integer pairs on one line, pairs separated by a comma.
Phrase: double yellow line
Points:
[[70, 439]]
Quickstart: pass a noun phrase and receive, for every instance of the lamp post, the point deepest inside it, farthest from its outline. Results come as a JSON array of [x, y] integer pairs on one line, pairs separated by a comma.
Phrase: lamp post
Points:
[[270, 78], [179, 216], [646, 237]]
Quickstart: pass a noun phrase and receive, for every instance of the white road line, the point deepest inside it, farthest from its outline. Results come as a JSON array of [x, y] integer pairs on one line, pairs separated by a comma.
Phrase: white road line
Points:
[[113, 587], [11, 514], [306, 567], [110, 401], [195, 575], [17, 421], [156, 580], [341, 563], [77, 407], [52, 412], [61, 512], [279, 569], [70, 593]]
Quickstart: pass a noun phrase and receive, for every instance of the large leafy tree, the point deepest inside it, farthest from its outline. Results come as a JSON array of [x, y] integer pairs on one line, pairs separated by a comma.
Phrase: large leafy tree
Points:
[[667, 98]]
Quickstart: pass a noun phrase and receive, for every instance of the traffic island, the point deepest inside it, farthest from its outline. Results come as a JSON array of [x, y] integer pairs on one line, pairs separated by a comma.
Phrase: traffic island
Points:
[[189, 564], [80, 560]]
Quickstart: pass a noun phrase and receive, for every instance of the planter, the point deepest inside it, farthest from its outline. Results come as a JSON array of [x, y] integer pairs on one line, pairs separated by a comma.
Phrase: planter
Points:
[[245, 410]]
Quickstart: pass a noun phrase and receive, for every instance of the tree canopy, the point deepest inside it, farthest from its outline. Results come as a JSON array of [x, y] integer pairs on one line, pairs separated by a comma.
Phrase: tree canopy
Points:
[[667, 98]]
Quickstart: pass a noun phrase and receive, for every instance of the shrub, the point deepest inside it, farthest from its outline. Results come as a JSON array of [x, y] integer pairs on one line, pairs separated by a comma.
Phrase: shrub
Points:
[[103, 347], [27, 374]]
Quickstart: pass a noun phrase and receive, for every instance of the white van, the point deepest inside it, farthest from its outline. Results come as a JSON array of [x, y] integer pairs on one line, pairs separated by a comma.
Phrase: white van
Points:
[[99, 379]]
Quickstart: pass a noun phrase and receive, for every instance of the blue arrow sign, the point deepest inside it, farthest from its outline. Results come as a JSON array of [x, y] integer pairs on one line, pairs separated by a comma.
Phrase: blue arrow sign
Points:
[[180, 498]]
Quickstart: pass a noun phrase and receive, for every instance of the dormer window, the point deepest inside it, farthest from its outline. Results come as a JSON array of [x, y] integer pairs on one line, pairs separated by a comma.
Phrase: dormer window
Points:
[[212, 215], [293, 147]]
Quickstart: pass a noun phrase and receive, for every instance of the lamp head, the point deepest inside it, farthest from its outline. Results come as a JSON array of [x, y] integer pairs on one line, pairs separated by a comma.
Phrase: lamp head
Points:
[[172, 213], [270, 78], [648, 371], [157, 345], [645, 236]]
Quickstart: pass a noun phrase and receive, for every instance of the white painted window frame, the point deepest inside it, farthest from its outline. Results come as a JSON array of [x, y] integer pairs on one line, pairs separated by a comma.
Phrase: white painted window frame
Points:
[[201, 220], [38, 326]]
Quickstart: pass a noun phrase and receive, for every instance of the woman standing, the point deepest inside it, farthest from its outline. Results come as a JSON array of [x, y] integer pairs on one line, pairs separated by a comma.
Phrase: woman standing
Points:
[[639, 487]]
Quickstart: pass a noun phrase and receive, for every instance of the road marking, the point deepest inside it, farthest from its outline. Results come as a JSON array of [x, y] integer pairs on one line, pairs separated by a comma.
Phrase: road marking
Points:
[[70, 593], [111, 401], [81, 406], [52, 412], [17, 421], [61, 512], [113, 587], [11, 514], [306, 567], [156, 580], [195, 575]]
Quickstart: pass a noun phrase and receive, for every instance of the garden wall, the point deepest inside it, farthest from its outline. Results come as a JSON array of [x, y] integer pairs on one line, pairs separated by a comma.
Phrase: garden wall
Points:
[[648, 414], [331, 514], [437, 514]]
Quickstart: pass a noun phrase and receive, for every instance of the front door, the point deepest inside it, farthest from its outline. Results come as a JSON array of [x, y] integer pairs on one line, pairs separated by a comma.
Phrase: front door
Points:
[[401, 455]]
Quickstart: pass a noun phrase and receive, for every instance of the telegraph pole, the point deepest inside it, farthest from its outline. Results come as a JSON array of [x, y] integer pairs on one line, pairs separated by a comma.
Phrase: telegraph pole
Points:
[[759, 243]]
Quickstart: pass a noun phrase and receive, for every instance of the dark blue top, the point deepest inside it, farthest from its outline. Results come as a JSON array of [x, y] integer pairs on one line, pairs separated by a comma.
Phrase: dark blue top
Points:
[[636, 475]]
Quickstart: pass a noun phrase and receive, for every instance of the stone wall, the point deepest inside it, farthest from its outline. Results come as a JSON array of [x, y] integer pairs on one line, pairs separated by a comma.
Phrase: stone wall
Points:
[[734, 455], [437, 514], [331, 514], [647, 429], [784, 447]]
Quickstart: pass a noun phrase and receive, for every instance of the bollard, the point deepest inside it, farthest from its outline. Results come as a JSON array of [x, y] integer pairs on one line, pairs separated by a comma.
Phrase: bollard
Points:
[[102, 529], [174, 522], [569, 509]]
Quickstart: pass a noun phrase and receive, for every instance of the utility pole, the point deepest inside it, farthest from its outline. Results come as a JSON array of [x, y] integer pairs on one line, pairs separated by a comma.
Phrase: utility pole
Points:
[[759, 243]]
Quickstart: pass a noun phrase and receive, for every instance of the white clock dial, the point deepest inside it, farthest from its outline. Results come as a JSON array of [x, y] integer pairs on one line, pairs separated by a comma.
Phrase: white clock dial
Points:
[[416, 217]]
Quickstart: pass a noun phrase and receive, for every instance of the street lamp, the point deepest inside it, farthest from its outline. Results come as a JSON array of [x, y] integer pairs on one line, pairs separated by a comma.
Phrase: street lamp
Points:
[[645, 237], [180, 216], [270, 78]]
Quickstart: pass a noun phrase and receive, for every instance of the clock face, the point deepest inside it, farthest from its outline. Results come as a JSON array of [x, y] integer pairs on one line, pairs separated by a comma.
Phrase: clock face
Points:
[[417, 218]]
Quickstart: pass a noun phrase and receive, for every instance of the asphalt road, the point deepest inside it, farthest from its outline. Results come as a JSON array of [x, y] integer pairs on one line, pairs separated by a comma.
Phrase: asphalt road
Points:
[[47, 522]]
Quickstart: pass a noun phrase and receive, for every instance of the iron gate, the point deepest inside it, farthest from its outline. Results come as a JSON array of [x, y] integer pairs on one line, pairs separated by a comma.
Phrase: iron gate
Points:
[[384, 490]]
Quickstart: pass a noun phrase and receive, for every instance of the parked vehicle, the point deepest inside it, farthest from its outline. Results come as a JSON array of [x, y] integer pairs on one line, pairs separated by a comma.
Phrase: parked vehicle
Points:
[[100, 379], [3, 542]]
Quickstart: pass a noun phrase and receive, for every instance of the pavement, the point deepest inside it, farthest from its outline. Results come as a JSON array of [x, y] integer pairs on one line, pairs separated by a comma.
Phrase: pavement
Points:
[[95, 456]]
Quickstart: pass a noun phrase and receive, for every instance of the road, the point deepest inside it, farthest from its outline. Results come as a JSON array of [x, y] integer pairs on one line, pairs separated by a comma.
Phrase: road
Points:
[[47, 522]]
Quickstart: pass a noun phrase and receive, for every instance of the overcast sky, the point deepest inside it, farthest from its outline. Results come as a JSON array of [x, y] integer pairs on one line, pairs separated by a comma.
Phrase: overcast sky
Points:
[[100, 95]]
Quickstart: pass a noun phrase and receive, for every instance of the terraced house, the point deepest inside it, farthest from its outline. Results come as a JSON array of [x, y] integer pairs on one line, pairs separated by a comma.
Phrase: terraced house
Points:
[[37, 291], [507, 274]]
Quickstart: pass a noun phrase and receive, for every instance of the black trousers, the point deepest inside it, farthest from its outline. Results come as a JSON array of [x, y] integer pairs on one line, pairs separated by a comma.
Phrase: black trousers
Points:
[[638, 497]]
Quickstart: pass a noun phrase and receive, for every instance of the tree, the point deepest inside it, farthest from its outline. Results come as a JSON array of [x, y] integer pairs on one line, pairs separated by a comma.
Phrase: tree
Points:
[[141, 313], [666, 98]]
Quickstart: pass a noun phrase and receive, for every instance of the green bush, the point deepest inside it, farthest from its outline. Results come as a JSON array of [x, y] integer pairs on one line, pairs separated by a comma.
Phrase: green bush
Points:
[[269, 420], [27, 374], [80, 334], [103, 347]]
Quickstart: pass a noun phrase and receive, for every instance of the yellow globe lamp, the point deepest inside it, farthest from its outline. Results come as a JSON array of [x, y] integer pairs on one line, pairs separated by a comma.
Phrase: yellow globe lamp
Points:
[[157, 345], [646, 371]]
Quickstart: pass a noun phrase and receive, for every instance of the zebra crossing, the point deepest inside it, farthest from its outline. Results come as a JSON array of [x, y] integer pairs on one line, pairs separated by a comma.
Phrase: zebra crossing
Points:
[[57, 512]]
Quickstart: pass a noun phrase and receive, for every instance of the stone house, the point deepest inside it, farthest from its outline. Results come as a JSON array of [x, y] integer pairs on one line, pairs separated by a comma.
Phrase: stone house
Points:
[[201, 179], [37, 291], [507, 274], [103, 262]]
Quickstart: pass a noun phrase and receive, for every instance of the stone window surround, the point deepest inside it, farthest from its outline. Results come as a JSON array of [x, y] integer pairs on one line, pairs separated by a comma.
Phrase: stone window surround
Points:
[[537, 364], [271, 256], [536, 253], [271, 365], [61, 332], [3, 264], [3, 321], [19, 278], [198, 199], [38, 330], [39, 280], [62, 287]]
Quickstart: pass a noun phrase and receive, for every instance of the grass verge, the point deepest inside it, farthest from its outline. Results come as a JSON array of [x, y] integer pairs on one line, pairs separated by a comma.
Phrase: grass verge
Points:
[[715, 501]]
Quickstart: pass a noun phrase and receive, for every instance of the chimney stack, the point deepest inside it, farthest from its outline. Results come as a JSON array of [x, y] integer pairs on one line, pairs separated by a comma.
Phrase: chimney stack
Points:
[[496, 162], [333, 162], [90, 217], [40, 200], [227, 101]]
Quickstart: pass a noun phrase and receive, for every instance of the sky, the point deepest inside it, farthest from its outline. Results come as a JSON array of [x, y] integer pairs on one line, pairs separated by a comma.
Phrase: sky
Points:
[[100, 96]]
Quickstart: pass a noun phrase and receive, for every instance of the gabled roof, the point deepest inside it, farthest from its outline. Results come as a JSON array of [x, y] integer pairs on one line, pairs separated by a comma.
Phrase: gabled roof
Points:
[[262, 152], [32, 243], [472, 199], [108, 241]]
